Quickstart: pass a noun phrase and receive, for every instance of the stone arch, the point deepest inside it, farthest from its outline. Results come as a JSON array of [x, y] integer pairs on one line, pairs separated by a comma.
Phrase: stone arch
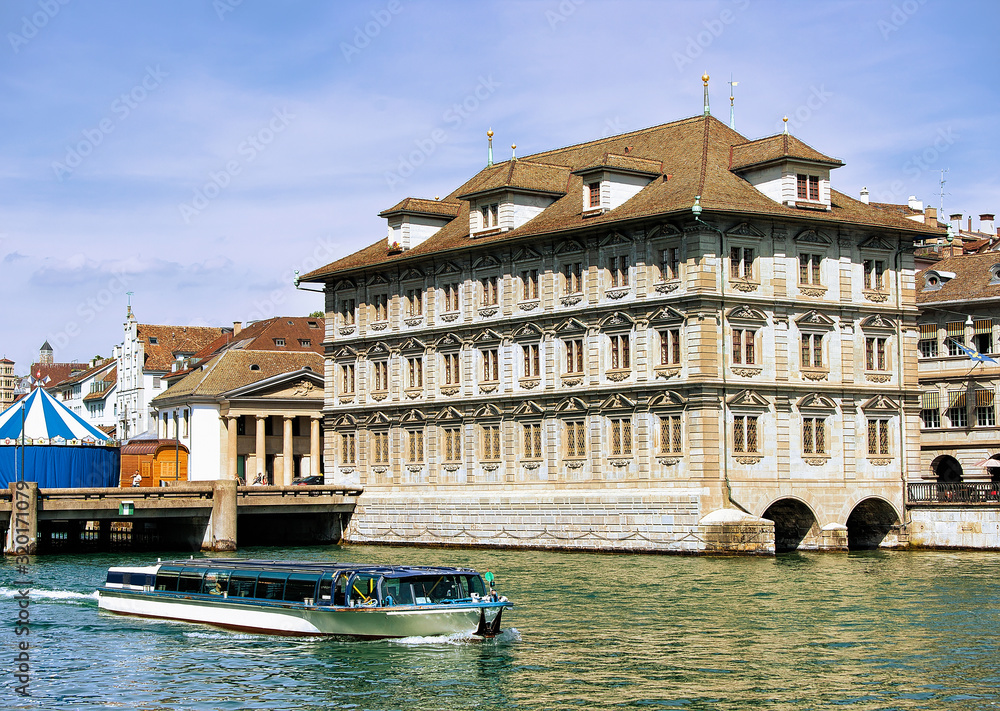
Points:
[[993, 467], [947, 469], [795, 525], [871, 525]]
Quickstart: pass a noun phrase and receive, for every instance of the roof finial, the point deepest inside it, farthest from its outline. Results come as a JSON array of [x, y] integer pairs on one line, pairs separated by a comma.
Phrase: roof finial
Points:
[[786, 124], [704, 78], [489, 156], [129, 314], [513, 151], [732, 99]]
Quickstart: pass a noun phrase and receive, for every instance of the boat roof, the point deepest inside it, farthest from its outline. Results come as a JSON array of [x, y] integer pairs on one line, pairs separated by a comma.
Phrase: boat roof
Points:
[[292, 566]]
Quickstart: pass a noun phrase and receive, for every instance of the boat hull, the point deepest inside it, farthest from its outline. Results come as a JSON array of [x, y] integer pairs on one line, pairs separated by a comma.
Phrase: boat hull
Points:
[[296, 619]]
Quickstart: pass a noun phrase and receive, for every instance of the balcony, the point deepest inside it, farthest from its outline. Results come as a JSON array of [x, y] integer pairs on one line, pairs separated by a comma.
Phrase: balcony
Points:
[[957, 493]]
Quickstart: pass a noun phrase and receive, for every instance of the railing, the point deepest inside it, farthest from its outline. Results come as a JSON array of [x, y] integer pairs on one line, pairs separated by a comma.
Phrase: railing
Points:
[[954, 493]]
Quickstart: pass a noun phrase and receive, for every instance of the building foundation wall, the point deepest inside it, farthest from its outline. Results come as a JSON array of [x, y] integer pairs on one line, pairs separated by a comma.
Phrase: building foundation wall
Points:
[[955, 527]]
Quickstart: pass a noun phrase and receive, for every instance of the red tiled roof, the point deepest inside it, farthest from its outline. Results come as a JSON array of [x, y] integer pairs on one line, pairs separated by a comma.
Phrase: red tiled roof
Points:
[[971, 281], [626, 164], [775, 148], [171, 340], [56, 373], [420, 206], [235, 368], [527, 175]]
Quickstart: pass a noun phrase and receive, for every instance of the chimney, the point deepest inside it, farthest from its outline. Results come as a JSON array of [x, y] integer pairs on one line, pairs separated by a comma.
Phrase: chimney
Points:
[[864, 195], [970, 224], [930, 216], [956, 223], [986, 224], [916, 205], [237, 327]]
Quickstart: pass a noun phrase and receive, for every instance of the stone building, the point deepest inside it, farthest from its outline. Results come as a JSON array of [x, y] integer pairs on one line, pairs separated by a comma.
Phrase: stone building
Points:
[[662, 340], [8, 383]]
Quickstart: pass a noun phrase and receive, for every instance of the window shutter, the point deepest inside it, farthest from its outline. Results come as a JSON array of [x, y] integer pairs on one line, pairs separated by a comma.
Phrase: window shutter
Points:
[[930, 401]]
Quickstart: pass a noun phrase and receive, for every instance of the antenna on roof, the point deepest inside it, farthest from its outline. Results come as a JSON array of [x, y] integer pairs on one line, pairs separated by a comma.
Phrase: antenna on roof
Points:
[[943, 193], [732, 99], [704, 78], [489, 155]]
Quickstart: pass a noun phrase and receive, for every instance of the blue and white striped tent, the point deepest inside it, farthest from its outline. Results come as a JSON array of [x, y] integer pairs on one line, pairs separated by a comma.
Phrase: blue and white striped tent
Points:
[[54, 446]]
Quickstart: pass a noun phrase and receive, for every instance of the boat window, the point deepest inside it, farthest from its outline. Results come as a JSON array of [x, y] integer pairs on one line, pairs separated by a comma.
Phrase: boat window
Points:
[[271, 586], [216, 582], [190, 581], [115, 576], [301, 586], [166, 579], [474, 584], [340, 591], [326, 588], [399, 590], [242, 584], [433, 589], [363, 589]]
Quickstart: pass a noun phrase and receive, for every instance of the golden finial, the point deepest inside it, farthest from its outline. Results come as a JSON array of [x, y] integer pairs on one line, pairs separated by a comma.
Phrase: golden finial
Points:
[[785, 119], [513, 151], [489, 133], [489, 153], [704, 77]]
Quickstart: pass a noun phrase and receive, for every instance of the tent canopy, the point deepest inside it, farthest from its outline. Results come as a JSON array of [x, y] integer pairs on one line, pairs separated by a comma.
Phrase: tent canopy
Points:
[[45, 418]]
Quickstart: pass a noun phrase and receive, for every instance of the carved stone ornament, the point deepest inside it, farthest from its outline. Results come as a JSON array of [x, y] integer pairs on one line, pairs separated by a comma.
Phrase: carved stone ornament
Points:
[[571, 300], [414, 468], [528, 305], [449, 317], [379, 397], [666, 373], [878, 296], [491, 466], [747, 372], [620, 293], [529, 383], [813, 291], [619, 462], [449, 390], [379, 325], [880, 462], [414, 393], [346, 470], [380, 470], [575, 464], [531, 465], [815, 374], [815, 461], [451, 467], [616, 376], [878, 377], [668, 461], [347, 330], [665, 287], [745, 286], [345, 399], [488, 311], [306, 389], [571, 382], [748, 459], [491, 388]]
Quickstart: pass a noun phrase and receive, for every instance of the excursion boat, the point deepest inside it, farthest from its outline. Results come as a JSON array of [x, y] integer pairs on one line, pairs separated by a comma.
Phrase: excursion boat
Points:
[[292, 598]]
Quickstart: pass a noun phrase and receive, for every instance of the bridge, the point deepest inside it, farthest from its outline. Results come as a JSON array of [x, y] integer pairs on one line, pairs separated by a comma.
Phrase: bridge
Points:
[[210, 515]]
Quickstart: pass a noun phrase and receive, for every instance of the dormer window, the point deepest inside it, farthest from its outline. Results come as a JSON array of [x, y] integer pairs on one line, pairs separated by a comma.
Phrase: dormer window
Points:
[[595, 194], [491, 215], [153, 341], [807, 187]]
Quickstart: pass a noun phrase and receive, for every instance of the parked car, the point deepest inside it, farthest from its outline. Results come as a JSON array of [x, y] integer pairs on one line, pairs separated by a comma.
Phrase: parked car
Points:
[[307, 480]]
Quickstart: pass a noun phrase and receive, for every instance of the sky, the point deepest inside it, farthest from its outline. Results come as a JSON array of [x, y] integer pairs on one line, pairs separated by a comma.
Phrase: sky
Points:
[[196, 153]]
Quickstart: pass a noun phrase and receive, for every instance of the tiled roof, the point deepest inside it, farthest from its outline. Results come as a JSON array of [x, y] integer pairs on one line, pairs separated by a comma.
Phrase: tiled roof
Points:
[[625, 163], [52, 374], [774, 148], [527, 175], [111, 377], [971, 281], [420, 206], [84, 374], [233, 369], [170, 340], [6, 361], [695, 155]]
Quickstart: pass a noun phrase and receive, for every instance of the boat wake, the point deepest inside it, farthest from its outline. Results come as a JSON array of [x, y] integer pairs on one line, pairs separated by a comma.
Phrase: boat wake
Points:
[[505, 637], [36, 594]]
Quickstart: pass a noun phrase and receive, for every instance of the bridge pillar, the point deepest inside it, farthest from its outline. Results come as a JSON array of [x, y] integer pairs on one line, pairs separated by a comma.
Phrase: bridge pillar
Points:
[[22, 534], [220, 533]]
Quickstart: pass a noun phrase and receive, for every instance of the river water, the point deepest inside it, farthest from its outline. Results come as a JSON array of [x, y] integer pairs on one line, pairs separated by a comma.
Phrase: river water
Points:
[[900, 630]]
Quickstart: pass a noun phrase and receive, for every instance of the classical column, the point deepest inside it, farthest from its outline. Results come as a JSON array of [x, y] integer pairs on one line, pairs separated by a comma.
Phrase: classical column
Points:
[[314, 447], [260, 453], [287, 459], [231, 449]]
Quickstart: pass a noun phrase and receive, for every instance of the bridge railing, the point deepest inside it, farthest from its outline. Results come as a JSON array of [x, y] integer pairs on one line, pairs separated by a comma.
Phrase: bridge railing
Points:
[[953, 493]]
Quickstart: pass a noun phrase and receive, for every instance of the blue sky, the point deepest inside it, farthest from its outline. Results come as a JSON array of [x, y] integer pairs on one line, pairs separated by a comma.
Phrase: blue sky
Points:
[[197, 152]]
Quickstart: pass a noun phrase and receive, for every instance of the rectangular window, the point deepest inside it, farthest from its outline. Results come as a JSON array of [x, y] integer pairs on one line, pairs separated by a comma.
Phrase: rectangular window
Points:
[[878, 437], [812, 350], [573, 278], [491, 442], [452, 444], [187, 422], [380, 378], [415, 445], [741, 263], [809, 268], [415, 370], [380, 447], [450, 292], [956, 336], [347, 308], [744, 352], [618, 270], [874, 274], [595, 194], [985, 411], [875, 354], [576, 439], [670, 347], [928, 340], [670, 434], [930, 409], [529, 284], [491, 365], [531, 360], [414, 302], [574, 356], [452, 371], [670, 263], [813, 435], [347, 378], [305, 342], [983, 338], [532, 442], [930, 418], [958, 415], [348, 450], [491, 291], [807, 187], [621, 436], [745, 433], [620, 357], [380, 307], [491, 215]]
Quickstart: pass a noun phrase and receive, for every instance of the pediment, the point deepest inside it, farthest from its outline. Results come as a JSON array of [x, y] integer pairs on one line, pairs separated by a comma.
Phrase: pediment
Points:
[[488, 410], [816, 319], [487, 335], [448, 268], [343, 284], [668, 398], [345, 420], [618, 402], [748, 399], [815, 401], [448, 341], [345, 353], [377, 278], [571, 325], [378, 419], [746, 313], [526, 254], [810, 236], [667, 314], [569, 246], [529, 408], [296, 385], [881, 403], [304, 389], [378, 350], [617, 320], [572, 404], [614, 238], [448, 414], [412, 345], [529, 331], [664, 230], [411, 274], [878, 242], [744, 229], [411, 417], [486, 262], [878, 322]]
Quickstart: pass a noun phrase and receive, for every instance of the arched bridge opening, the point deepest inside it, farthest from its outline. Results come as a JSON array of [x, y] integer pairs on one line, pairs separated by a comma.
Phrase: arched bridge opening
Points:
[[795, 526], [872, 524]]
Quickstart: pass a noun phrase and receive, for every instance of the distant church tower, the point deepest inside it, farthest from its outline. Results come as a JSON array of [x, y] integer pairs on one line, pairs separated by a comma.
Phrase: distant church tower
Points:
[[45, 354]]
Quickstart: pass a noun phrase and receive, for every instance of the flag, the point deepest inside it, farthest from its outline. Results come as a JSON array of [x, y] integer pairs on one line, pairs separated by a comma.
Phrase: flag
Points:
[[973, 354]]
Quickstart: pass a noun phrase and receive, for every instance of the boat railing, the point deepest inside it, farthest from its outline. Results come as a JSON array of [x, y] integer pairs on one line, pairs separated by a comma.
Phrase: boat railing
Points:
[[953, 493]]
